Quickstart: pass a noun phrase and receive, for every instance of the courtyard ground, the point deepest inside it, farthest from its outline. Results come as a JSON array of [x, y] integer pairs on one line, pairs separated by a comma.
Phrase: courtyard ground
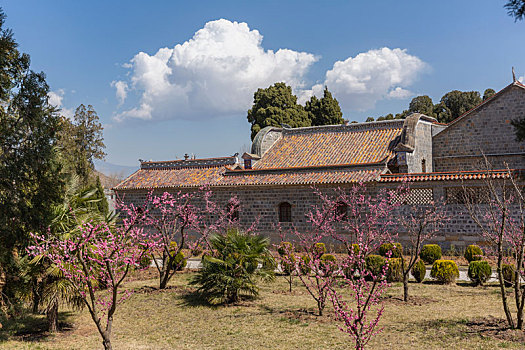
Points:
[[438, 316]]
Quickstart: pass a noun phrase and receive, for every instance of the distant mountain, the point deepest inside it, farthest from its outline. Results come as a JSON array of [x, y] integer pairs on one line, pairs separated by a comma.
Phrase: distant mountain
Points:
[[114, 170]]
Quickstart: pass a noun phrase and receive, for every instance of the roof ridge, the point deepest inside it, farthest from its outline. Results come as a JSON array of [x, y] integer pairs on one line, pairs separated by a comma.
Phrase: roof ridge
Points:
[[344, 127]]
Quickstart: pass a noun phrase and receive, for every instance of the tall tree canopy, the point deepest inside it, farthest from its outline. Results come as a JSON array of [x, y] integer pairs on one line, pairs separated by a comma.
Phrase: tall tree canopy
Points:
[[455, 103], [488, 94], [422, 104], [29, 180], [274, 106], [324, 111], [81, 141], [516, 9]]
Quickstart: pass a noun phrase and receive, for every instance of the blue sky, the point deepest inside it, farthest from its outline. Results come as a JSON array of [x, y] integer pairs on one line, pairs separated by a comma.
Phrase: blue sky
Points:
[[192, 98]]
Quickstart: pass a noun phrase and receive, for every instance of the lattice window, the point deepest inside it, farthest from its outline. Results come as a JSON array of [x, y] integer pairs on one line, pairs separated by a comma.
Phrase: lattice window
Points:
[[416, 196], [474, 195]]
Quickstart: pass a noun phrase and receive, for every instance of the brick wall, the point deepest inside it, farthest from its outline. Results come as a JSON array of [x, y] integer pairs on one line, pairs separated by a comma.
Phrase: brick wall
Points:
[[486, 130]]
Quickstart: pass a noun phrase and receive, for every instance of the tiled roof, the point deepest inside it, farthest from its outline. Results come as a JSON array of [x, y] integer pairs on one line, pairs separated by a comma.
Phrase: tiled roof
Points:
[[177, 173], [448, 176], [219, 176], [352, 144], [305, 176]]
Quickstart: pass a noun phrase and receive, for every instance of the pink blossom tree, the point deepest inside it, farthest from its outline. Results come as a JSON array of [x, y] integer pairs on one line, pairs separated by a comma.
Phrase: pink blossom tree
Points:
[[421, 223], [364, 221], [174, 221], [498, 209], [97, 255]]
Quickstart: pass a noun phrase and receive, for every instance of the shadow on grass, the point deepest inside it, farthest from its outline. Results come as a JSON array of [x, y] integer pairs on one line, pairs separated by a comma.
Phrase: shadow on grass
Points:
[[196, 299], [30, 327]]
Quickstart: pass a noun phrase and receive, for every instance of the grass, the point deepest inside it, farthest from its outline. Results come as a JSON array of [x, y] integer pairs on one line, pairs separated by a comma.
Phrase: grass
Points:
[[437, 317]]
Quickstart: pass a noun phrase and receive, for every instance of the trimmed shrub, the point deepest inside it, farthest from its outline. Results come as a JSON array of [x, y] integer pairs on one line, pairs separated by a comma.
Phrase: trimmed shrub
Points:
[[145, 261], [285, 248], [445, 271], [375, 263], [508, 271], [430, 253], [396, 248], [319, 249], [197, 250], [479, 271], [419, 270], [179, 261], [304, 265], [473, 253], [328, 263], [395, 270]]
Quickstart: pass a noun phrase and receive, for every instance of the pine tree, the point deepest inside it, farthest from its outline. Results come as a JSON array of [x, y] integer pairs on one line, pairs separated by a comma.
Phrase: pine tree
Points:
[[324, 111]]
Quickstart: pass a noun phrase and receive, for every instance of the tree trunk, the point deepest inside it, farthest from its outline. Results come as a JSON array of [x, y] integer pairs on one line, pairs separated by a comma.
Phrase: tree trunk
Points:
[[405, 287], [290, 283], [36, 298], [320, 306], [107, 343], [502, 289], [52, 316]]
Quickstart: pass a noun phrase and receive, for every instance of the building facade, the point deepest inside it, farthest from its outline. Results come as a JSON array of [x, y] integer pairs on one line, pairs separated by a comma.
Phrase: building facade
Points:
[[274, 182]]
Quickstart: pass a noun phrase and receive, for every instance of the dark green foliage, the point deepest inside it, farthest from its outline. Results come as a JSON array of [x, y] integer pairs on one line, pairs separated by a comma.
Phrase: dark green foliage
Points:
[[30, 184], [445, 271], [145, 261], [374, 264], [80, 142], [396, 248], [395, 270], [430, 253], [488, 94], [422, 104], [479, 271], [455, 103], [509, 276], [473, 253], [324, 111], [419, 270], [274, 106], [102, 203], [519, 128], [516, 9], [232, 272]]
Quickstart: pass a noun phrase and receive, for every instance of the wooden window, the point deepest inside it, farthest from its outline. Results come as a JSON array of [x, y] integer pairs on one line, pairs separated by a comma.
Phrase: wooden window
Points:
[[285, 212], [423, 166], [342, 210], [473, 195]]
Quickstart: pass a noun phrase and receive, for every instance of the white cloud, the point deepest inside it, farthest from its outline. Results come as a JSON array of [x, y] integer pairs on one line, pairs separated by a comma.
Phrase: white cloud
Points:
[[521, 79], [121, 91], [359, 82], [400, 93], [55, 99], [216, 72]]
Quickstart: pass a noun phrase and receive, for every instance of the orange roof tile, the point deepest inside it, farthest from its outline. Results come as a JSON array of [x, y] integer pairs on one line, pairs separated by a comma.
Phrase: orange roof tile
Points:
[[352, 144], [448, 176]]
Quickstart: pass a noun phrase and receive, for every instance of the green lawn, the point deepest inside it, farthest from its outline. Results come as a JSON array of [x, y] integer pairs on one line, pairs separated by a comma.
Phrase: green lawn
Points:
[[438, 317]]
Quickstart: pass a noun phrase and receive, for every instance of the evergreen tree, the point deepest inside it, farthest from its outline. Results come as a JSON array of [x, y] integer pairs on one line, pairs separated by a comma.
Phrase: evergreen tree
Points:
[[455, 103], [324, 111], [422, 104], [29, 172], [516, 9], [274, 106], [488, 94]]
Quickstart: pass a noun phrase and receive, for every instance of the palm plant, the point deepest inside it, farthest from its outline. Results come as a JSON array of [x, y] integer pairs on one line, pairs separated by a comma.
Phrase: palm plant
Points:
[[238, 260], [49, 287]]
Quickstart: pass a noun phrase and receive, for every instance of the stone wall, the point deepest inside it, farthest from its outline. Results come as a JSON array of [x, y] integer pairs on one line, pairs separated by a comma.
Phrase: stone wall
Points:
[[263, 202], [486, 130]]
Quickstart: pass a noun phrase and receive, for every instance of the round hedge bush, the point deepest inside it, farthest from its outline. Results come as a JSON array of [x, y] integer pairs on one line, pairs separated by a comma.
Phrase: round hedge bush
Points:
[[395, 270], [285, 248], [319, 249], [430, 253], [375, 263], [396, 248], [473, 253], [445, 271], [419, 270], [508, 274], [288, 264], [479, 271], [145, 261], [328, 263], [304, 265], [355, 249]]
